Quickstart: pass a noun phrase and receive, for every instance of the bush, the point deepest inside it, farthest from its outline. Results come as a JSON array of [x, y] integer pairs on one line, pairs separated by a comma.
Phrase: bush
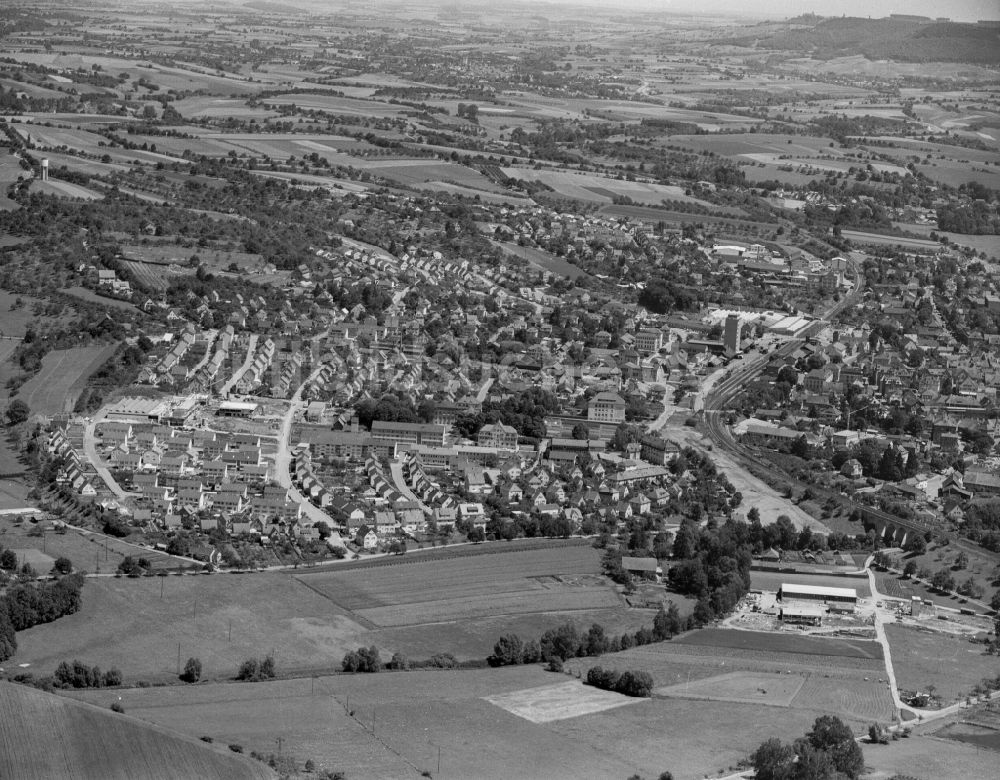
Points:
[[629, 683], [117, 707], [192, 670], [399, 662], [254, 669], [443, 661], [236, 748], [877, 735], [79, 675], [364, 659]]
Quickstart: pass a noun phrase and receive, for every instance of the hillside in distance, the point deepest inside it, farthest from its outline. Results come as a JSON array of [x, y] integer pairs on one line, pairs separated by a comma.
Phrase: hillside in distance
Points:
[[894, 39], [47, 736]]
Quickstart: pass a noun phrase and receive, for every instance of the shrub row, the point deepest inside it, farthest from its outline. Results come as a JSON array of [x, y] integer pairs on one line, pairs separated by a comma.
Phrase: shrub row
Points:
[[631, 682]]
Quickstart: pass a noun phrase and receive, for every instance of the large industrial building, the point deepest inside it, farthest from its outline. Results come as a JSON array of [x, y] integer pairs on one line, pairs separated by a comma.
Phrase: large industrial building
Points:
[[828, 595]]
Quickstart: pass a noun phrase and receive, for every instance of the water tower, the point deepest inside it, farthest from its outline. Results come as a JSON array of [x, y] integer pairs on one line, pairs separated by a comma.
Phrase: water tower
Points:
[[45, 170]]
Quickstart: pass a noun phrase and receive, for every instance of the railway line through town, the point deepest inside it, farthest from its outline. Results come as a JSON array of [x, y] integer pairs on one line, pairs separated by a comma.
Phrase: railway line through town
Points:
[[718, 403]]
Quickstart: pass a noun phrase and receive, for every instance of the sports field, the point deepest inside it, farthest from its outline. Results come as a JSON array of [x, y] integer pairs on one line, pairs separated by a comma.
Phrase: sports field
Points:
[[56, 387]]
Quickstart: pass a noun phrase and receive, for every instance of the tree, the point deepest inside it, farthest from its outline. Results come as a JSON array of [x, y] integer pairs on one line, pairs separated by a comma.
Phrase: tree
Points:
[[476, 535], [916, 544], [876, 734], [910, 569], [942, 580], [773, 760], [8, 560], [831, 735], [192, 671], [17, 412], [508, 651], [63, 565]]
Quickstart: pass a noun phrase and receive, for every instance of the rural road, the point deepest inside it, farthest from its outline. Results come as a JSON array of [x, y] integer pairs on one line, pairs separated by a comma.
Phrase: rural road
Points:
[[251, 351], [883, 640]]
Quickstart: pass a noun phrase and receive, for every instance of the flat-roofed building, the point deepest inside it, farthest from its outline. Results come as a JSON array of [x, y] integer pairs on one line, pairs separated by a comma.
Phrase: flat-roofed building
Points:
[[801, 615], [409, 433], [237, 409]]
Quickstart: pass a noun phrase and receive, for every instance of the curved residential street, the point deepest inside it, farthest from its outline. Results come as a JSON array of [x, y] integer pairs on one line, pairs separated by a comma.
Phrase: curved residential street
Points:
[[90, 450]]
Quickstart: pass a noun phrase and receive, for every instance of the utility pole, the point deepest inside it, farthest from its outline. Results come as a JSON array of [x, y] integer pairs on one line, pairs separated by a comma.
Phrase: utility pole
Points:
[[178, 658], [161, 587], [439, 760], [230, 639]]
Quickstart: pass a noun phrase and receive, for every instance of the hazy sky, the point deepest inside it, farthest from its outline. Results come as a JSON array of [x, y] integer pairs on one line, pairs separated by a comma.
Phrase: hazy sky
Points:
[[959, 10]]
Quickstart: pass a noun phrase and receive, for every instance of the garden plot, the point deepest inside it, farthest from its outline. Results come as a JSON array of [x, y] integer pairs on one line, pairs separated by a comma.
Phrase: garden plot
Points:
[[559, 702]]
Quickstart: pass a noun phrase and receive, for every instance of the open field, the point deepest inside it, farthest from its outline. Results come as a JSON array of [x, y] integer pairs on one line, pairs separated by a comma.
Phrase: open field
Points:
[[782, 643], [46, 736], [880, 239], [90, 296], [928, 758], [64, 189], [952, 664], [766, 580], [746, 144], [988, 244], [483, 195], [91, 552], [90, 167], [542, 259], [55, 388], [155, 277], [531, 581], [414, 173], [601, 189], [10, 169], [774, 690], [13, 492], [267, 612], [850, 687], [690, 738], [338, 105], [200, 107], [17, 319], [306, 628], [416, 714]]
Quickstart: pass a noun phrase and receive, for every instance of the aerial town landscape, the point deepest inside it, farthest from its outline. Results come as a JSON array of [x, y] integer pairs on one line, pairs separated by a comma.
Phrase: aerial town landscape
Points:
[[516, 390]]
